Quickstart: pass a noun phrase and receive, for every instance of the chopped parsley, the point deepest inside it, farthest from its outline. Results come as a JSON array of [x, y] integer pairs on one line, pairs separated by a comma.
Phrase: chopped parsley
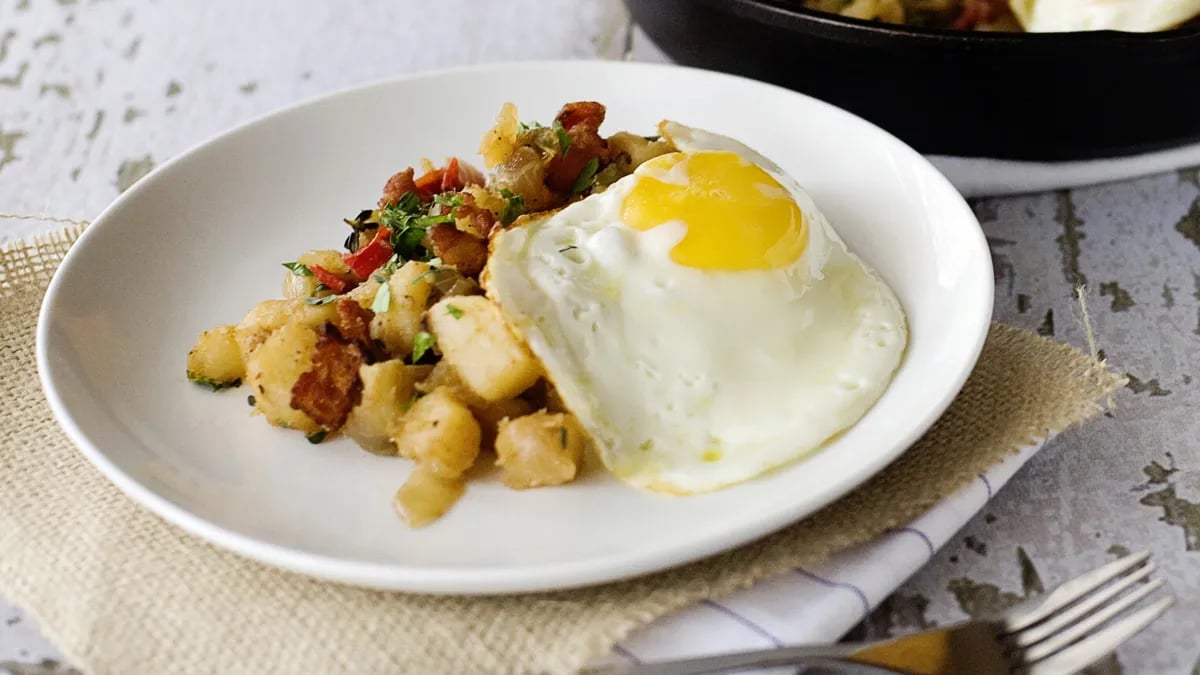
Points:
[[522, 127], [586, 177], [514, 206], [321, 301], [215, 385], [454, 311], [564, 139], [320, 287], [562, 437], [299, 269], [408, 221], [251, 401], [422, 343], [451, 199], [383, 298], [317, 436]]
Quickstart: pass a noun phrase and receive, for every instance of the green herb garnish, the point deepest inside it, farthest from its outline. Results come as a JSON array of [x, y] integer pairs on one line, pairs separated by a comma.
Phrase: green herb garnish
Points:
[[422, 343], [215, 385], [454, 311], [514, 206], [317, 436], [522, 127], [351, 242], [251, 401], [562, 437], [564, 139], [321, 301], [299, 269], [383, 299], [407, 222], [451, 199], [586, 176]]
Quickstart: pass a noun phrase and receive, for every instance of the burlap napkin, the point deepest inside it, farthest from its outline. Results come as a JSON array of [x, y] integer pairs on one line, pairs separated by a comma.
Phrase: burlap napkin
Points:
[[122, 592]]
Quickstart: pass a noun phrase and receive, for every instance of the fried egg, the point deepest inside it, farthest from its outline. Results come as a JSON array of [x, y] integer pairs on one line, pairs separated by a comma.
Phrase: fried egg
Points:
[[1137, 16], [700, 317]]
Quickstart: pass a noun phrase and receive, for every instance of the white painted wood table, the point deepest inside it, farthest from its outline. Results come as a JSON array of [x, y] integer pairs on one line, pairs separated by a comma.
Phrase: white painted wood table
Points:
[[95, 93]]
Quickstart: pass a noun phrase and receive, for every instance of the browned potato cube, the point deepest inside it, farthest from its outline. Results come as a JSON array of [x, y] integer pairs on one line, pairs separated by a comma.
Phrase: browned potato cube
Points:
[[273, 369], [409, 289], [439, 432], [539, 449], [216, 359], [474, 338], [387, 391], [426, 496]]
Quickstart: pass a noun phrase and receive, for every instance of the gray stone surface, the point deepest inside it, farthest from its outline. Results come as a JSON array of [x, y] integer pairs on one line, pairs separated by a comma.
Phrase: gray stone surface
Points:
[[94, 94]]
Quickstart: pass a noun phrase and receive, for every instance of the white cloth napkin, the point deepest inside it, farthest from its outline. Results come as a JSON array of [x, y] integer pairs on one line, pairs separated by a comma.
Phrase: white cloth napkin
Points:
[[817, 604]]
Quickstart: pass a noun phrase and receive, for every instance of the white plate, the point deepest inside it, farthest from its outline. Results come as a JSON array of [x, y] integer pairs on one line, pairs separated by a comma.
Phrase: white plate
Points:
[[199, 241]]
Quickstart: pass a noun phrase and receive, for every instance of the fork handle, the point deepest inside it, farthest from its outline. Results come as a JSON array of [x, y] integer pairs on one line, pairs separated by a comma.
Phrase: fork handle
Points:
[[829, 656]]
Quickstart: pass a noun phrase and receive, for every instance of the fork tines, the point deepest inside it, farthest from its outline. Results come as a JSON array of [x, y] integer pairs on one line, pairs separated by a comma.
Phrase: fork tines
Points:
[[1084, 619]]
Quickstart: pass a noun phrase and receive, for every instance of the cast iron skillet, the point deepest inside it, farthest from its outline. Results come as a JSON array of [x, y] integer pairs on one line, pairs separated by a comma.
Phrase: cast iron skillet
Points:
[[1048, 96]]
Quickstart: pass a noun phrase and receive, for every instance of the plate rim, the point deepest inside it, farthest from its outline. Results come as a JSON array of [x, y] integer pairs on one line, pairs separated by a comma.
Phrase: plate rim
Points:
[[454, 580]]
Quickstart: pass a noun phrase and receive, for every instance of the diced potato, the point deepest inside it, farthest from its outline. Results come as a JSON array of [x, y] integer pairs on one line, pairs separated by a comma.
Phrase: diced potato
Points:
[[637, 148], [364, 293], [387, 390], [539, 449], [216, 358], [439, 432], [490, 358], [269, 315], [426, 496], [491, 414], [500, 141], [410, 287], [303, 285], [274, 367], [442, 374]]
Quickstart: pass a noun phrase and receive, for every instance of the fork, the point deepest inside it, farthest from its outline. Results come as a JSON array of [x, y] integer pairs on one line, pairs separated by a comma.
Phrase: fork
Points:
[[1060, 632]]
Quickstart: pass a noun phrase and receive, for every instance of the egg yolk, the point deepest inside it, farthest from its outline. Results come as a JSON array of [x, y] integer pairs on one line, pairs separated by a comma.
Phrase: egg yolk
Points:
[[737, 216]]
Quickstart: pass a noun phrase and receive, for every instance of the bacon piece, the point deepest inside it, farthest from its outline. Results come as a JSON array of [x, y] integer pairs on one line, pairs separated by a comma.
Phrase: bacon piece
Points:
[[332, 388], [396, 186], [463, 250], [582, 122], [483, 220], [354, 322], [469, 175]]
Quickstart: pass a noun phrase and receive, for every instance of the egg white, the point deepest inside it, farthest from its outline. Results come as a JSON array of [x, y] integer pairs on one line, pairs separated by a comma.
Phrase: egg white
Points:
[[689, 380], [1138, 16]]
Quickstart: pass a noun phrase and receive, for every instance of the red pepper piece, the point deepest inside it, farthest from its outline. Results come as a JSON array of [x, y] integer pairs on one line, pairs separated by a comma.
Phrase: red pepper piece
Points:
[[335, 283], [369, 258], [450, 178], [429, 184]]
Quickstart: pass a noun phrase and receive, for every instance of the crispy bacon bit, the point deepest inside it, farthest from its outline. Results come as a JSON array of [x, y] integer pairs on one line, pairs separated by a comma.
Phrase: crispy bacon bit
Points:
[[396, 186], [582, 122], [463, 250], [332, 388], [354, 322], [469, 175], [481, 219], [581, 112]]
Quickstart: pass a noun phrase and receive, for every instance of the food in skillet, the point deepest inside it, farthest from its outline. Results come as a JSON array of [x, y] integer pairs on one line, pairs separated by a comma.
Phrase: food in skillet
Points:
[[1040, 16], [676, 302]]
